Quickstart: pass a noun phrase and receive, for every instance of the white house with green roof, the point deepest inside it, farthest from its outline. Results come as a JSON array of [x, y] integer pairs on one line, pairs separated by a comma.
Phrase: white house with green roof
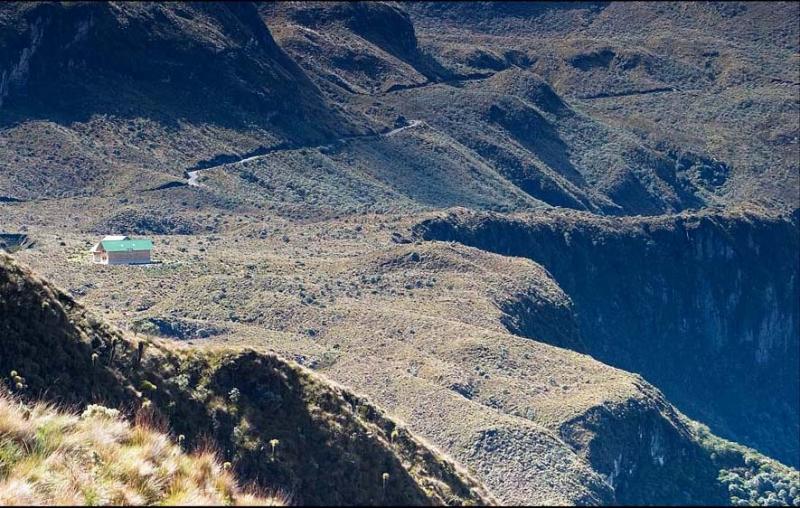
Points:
[[122, 250]]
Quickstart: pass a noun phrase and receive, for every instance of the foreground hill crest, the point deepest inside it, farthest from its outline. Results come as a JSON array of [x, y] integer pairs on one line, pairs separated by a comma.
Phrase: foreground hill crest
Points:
[[241, 401]]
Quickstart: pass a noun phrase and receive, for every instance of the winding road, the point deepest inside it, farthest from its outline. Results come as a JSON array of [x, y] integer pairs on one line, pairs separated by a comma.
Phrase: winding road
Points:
[[192, 177]]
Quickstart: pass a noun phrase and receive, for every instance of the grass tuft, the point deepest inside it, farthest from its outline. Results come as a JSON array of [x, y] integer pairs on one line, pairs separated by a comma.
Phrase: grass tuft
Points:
[[97, 458]]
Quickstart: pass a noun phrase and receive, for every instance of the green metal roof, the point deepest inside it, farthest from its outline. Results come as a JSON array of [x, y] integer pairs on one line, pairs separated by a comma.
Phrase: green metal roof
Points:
[[126, 245]]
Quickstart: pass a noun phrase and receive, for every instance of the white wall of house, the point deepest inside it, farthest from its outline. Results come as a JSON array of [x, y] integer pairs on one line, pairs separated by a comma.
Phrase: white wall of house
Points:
[[128, 257]]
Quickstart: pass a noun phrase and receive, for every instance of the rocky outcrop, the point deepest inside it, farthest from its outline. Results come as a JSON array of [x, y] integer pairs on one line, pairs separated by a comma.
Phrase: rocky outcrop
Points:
[[703, 305], [360, 48], [646, 452]]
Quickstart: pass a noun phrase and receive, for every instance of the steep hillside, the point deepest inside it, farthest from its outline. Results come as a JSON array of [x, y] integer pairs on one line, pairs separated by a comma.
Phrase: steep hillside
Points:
[[278, 424], [585, 119], [427, 331], [711, 87], [505, 115], [518, 124], [705, 306], [104, 96], [48, 457], [553, 239], [360, 48]]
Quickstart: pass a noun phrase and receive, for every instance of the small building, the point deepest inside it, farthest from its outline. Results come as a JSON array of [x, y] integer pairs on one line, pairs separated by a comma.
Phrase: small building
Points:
[[122, 250]]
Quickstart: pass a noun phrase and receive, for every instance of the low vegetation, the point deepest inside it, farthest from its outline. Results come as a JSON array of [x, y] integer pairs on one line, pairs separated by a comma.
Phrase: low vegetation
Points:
[[352, 121], [52, 457], [679, 272], [750, 478], [274, 423]]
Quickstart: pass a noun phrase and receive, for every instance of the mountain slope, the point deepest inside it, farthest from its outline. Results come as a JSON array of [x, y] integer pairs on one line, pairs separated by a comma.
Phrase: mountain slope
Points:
[[331, 445], [711, 87], [143, 91], [452, 340], [148, 91], [512, 121], [295, 164], [707, 308]]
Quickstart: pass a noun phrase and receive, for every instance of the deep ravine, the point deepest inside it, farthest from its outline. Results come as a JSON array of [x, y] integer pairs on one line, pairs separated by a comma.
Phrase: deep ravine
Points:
[[704, 306]]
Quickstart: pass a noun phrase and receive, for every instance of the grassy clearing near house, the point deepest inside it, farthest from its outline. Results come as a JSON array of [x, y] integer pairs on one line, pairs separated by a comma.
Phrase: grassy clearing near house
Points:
[[48, 456]]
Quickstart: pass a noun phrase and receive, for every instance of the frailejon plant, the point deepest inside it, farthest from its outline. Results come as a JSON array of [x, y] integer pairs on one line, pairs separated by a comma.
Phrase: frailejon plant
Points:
[[98, 411], [273, 443], [113, 351], [140, 353], [234, 395], [18, 381]]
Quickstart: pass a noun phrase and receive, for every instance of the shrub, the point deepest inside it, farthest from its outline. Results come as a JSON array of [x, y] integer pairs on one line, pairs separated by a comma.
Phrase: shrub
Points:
[[98, 411], [148, 386]]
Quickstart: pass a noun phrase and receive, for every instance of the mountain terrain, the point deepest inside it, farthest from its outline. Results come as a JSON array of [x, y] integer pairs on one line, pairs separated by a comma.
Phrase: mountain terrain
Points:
[[231, 400], [721, 328], [558, 242]]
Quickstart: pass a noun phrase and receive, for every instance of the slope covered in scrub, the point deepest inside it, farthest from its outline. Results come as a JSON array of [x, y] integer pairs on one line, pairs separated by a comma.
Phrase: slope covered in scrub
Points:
[[450, 339], [704, 305], [53, 457], [280, 425], [120, 98], [278, 153]]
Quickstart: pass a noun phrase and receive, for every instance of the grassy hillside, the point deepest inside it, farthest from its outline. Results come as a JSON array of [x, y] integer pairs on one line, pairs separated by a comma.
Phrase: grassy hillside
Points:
[[452, 340], [710, 87], [713, 293], [52, 457], [279, 425], [586, 119], [144, 91], [280, 156]]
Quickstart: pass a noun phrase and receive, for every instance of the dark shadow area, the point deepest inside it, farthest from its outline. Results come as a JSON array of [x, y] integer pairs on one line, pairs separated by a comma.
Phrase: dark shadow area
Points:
[[70, 62]]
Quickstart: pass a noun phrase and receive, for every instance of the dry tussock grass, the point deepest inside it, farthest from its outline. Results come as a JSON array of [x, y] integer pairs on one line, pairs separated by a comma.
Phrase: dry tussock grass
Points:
[[51, 457]]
